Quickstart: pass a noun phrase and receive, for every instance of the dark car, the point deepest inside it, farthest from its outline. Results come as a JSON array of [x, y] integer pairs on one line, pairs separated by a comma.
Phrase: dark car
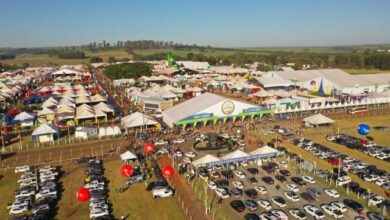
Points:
[[251, 216], [253, 180], [228, 174], [222, 183], [385, 205], [237, 205], [352, 185], [306, 196], [281, 178], [375, 216], [267, 179], [298, 180], [251, 193], [253, 171], [235, 192], [353, 205], [250, 204], [285, 172]]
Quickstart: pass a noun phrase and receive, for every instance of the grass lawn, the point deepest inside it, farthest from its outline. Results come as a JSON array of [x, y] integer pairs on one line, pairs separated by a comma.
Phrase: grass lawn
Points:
[[68, 206], [365, 71], [8, 185], [136, 202], [40, 59]]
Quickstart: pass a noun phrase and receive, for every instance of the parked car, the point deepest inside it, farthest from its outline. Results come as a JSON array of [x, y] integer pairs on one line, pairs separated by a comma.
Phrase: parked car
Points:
[[353, 205], [279, 201], [265, 204], [162, 192], [313, 211], [332, 192], [237, 205], [332, 211], [298, 214], [134, 179]]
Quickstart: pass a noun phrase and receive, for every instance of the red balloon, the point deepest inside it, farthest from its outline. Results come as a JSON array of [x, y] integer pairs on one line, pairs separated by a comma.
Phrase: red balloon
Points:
[[148, 148], [127, 170], [83, 194], [167, 171]]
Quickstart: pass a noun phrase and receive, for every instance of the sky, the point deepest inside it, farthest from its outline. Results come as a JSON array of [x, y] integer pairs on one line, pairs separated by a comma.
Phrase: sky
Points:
[[221, 23]]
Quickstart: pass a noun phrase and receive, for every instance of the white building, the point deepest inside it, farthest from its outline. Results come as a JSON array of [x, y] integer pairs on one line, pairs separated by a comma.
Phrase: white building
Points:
[[86, 132]]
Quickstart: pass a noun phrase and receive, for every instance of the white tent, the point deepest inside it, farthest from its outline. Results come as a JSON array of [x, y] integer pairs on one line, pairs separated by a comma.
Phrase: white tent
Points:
[[204, 160], [128, 156], [24, 116], [117, 130], [138, 119], [45, 111], [102, 132], [318, 119], [45, 133], [263, 150], [234, 155]]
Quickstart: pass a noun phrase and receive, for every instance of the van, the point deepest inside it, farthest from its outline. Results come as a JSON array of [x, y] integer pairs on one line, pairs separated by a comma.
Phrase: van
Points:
[[314, 192], [134, 179], [22, 169], [162, 192]]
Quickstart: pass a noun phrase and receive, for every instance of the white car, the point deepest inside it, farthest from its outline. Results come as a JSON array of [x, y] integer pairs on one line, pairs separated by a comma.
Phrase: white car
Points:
[[381, 181], [371, 178], [41, 208], [308, 179], [160, 142], [190, 154], [268, 216], [238, 184], [222, 193], [314, 211], [293, 187], [163, 151], [27, 179], [212, 185], [332, 211], [44, 193], [99, 205], [22, 169], [280, 214], [376, 200], [291, 196], [340, 206], [18, 203], [18, 210], [96, 213], [261, 189], [178, 153], [298, 214], [162, 192], [24, 193], [239, 174], [342, 180], [265, 204], [332, 193], [178, 141]]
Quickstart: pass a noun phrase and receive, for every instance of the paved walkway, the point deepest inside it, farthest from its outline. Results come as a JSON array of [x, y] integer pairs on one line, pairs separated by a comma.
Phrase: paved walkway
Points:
[[196, 209]]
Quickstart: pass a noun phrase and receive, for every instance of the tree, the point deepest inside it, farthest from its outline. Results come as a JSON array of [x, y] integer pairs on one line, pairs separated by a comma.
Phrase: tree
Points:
[[95, 60], [190, 56], [111, 60], [128, 70], [262, 67]]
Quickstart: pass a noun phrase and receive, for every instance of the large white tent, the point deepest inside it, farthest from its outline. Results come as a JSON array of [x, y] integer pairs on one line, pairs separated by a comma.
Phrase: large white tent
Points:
[[128, 156], [234, 155], [318, 119], [138, 119], [205, 160], [264, 151]]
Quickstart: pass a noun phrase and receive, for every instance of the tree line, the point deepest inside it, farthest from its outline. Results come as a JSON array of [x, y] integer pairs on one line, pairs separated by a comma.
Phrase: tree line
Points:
[[128, 70]]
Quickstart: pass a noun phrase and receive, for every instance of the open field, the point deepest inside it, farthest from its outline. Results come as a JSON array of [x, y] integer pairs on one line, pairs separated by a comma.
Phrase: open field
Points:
[[136, 202], [206, 52], [365, 71], [41, 59]]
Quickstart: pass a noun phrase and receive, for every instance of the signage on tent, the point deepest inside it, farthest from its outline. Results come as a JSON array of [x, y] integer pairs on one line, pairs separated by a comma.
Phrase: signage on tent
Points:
[[227, 107]]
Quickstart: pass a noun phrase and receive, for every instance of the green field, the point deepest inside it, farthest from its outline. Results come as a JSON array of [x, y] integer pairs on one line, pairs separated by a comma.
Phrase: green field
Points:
[[41, 59]]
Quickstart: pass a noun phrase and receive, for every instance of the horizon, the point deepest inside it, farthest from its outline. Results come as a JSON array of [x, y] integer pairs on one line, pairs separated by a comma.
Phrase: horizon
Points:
[[249, 24]]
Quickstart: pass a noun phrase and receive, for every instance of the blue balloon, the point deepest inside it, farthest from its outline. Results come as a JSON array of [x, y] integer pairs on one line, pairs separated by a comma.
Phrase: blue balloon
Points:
[[363, 129]]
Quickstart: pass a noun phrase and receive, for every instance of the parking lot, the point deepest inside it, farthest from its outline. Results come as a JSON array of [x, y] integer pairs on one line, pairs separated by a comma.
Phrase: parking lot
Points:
[[272, 191]]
